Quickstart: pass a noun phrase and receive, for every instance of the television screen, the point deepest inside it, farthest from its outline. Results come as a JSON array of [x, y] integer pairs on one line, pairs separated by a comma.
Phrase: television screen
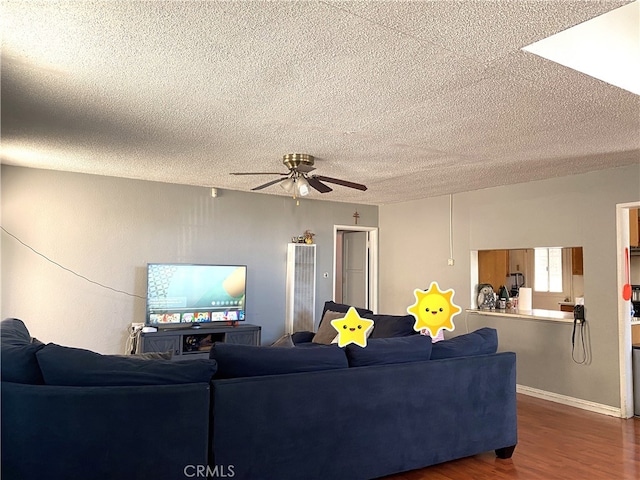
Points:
[[190, 294]]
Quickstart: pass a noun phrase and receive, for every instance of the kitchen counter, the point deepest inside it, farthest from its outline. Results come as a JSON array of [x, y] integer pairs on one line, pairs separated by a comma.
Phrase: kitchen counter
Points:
[[535, 314]]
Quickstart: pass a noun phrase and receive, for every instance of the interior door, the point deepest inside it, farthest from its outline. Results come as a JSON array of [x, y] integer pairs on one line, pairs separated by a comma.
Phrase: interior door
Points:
[[355, 269]]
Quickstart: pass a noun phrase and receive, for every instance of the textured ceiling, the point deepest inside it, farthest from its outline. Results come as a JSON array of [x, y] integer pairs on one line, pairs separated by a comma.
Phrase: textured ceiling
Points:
[[413, 99]]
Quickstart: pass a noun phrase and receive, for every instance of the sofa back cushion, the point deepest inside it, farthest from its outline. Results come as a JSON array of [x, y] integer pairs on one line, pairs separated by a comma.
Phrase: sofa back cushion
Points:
[[386, 326], [18, 353], [249, 360], [342, 308], [13, 331], [382, 351], [78, 367], [480, 342]]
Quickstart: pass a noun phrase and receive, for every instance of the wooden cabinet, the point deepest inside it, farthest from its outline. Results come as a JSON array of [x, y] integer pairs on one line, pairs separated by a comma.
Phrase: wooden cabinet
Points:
[[576, 261], [635, 334], [493, 267], [196, 342], [634, 228]]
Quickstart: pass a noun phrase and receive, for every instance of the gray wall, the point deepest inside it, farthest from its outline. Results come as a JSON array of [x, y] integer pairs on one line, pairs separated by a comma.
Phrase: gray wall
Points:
[[107, 229], [567, 211]]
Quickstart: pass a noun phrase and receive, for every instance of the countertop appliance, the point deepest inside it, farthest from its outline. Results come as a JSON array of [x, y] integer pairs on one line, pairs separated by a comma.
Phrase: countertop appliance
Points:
[[514, 282]]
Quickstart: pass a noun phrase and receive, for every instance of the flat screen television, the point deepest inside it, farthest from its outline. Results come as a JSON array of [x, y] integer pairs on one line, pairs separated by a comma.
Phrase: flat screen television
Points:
[[189, 294]]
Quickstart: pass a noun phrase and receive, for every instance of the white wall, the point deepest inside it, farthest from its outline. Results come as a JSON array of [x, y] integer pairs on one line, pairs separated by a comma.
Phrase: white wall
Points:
[[578, 210], [108, 229]]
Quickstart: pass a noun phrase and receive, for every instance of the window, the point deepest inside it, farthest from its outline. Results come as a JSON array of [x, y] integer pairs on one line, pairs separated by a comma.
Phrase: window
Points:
[[548, 270]]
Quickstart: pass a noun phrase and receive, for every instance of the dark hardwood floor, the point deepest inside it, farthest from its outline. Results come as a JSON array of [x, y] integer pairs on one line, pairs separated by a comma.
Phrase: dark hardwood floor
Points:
[[554, 442]]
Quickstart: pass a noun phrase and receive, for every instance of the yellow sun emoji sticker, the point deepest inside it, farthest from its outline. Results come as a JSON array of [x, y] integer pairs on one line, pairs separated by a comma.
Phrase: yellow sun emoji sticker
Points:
[[434, 309], [352, 329]]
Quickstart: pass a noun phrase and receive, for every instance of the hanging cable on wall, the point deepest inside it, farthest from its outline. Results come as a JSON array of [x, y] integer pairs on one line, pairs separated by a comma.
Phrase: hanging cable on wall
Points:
[[68, 269]]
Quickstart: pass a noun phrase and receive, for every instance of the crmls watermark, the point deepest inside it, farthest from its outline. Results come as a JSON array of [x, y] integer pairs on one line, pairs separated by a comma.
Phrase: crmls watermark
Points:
[[207, 471]]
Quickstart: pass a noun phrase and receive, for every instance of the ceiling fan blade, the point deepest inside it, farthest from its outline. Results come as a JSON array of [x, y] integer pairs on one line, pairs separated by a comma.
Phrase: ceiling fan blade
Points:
[[318, 185], [344, 183], [258, 173], [268, 184], [304, 168]]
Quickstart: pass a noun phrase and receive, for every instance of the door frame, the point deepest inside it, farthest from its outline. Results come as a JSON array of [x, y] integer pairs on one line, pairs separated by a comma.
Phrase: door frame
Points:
[[373, 260], [624, 312]]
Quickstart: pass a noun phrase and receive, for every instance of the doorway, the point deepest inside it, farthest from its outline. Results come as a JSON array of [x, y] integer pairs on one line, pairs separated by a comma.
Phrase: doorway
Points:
[[624, 312], [355, 266]]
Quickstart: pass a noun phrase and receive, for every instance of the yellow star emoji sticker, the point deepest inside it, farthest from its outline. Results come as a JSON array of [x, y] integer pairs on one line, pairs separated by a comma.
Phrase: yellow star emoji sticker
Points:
[[352, 329], [434, 309]]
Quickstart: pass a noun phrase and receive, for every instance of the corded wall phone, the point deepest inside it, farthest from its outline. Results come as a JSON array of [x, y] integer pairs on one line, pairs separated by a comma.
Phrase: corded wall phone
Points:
[[578, 322], [578, 314]]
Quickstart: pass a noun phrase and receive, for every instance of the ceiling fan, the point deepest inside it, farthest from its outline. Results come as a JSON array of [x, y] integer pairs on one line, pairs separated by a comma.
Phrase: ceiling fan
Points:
[[297, 181]]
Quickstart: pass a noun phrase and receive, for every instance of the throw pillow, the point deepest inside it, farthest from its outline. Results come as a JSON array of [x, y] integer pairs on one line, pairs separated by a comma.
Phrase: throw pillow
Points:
[[480, 342], [78, 367], [250, 360], [386, 326], [383, 351], [326, 333]]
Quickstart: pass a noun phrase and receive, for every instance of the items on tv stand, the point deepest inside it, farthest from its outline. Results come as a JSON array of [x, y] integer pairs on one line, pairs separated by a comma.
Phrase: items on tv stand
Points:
[[195, 343]]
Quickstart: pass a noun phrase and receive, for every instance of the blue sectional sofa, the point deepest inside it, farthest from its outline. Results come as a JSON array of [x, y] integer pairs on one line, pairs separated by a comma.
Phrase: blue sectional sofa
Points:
[[393, 413], [316, 412]]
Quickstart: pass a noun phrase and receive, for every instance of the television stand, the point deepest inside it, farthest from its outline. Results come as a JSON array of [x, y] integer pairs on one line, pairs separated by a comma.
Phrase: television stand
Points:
[[194, 342]]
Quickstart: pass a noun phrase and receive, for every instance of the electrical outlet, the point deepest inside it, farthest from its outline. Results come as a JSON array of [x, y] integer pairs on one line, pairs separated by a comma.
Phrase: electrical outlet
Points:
[[135, 326], [450, 262]]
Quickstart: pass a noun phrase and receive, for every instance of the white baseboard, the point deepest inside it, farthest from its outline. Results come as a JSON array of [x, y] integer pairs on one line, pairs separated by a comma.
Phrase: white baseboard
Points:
[[571, 401]]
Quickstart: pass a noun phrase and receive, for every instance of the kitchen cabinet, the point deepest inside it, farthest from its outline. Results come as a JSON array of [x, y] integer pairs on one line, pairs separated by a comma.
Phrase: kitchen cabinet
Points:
[[634, 228], [493, 267], [635, 335], [576, 261]]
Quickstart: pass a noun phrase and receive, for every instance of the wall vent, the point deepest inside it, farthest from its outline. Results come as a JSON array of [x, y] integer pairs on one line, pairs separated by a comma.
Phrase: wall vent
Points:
[[300, 288]]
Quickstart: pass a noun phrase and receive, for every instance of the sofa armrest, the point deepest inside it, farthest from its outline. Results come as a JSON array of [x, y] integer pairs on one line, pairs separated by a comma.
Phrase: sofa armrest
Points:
[[140, 432], [302, 337]]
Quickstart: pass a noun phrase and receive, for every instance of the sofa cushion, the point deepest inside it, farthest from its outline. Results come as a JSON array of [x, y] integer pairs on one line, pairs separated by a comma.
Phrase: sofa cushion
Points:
[[249, 360], [300, 338], [19, 364], [382, 351], [78, 367], [18, 354], [13, 331], [480, 342], [386, 326], [342, 308]]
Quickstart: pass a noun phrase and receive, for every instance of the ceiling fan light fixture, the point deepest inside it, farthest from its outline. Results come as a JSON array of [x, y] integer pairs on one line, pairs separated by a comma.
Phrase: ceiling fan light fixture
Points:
[[288, 185], [302, 186]]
